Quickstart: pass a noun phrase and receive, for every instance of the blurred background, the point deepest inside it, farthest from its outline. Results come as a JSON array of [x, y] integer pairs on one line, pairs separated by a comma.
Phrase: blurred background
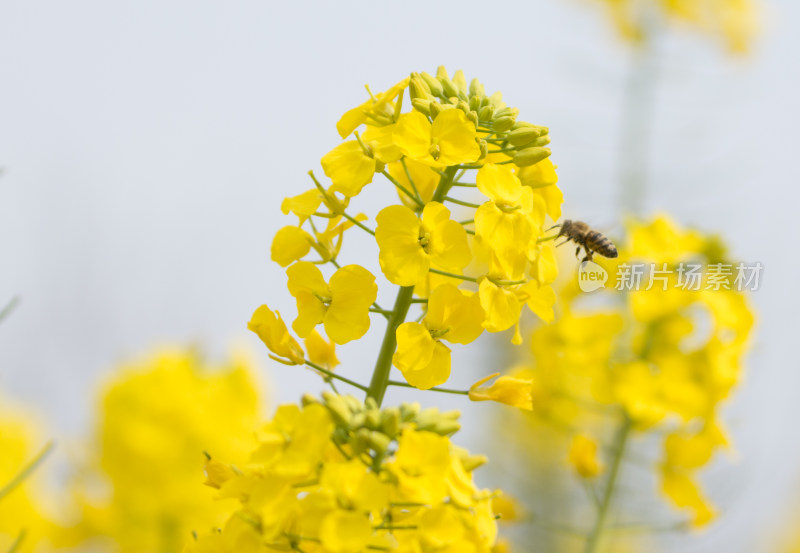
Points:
[[145, 149]]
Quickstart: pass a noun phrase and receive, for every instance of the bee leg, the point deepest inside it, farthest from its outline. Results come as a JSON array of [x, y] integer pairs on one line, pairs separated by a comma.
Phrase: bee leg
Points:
[[588, 256], [578, 251]]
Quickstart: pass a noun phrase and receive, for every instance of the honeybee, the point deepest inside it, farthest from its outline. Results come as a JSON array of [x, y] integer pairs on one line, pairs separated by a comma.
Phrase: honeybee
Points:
[[590, 240]]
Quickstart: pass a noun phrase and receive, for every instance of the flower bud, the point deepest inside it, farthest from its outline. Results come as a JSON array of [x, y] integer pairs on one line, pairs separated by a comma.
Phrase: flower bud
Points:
[[463, 106], [360, 441], [486, 113], [473, 116], [461, 84], [418, 89], [448, 87], [476, 88], [307, 400], [409, 411], [434, 86], [484, 148], [338, 408], [522, 136], [422, 105], [441, 73], [474, 103], [357, 421], [502, 124], [353, 403], [390, 421], [531, 156], [373, 419], [378, 441]]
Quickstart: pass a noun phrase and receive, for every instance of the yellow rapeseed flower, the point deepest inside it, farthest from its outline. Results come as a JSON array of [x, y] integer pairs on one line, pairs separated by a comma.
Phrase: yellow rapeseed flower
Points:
[[454, 316], [449, 140], [408, 244], [342, 306]]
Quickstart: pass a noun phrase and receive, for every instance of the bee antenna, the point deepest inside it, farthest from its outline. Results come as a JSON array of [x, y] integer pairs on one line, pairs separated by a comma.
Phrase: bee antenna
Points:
[[554, 226]]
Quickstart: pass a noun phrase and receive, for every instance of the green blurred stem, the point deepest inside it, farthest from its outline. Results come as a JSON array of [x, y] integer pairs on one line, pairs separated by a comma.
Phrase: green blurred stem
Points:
[[26, 471], [620, 443], [17, 542], [10, 306]]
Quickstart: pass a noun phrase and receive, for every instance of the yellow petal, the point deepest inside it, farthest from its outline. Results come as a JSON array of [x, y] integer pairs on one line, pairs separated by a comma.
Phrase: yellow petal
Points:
[[423, 361], [321, 352], [402, 258], [380, 140], [502, 307], [540, 300], [509, 390], [273, 332], [345, 531], [290, 244], [305, 276], [458, 312], [349, 168], [353, 290], [412, 135], [424, 178], [499, 184], [456, 137], [302, 205]]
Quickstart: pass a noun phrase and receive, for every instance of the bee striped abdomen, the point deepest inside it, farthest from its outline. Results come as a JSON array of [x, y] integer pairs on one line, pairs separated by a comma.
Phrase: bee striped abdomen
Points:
[[600, 244], [588, 239]]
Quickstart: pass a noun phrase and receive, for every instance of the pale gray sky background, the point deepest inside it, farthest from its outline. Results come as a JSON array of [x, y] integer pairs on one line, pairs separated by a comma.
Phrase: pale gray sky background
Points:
[[146, 147]]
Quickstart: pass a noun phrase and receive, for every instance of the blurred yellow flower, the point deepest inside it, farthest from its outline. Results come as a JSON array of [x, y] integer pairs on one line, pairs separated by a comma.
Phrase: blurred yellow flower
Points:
[[138, 485], [735, 22], [24, 522], [583, 456]]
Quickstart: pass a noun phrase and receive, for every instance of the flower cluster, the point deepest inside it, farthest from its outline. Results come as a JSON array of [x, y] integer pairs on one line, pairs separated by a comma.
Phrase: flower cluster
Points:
[[469, 273], [343, 476], [735, 22], [664, 358], [138, 487]]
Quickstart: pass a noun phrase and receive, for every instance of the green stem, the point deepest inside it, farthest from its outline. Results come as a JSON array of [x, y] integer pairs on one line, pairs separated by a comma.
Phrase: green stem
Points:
[[434, 389], [331, 374], [358, 223], [403, 189], [620, 443], [453, 275], [26, 471], [17, 542], [461, 202], [383, 366]]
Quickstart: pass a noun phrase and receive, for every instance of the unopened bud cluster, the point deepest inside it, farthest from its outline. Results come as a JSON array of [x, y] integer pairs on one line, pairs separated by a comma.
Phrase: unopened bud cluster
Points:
[[523, 141], [366, 428]]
